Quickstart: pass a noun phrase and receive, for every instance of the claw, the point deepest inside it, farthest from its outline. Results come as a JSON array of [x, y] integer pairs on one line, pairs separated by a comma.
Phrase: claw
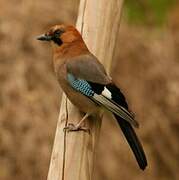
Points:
[[72, 127]]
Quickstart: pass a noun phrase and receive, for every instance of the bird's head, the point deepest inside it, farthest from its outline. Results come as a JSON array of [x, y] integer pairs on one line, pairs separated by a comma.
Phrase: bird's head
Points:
[[61, 34]]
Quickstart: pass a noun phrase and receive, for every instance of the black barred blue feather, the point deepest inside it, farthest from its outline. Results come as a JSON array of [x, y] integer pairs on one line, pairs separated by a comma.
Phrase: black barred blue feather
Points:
[[80, 85]]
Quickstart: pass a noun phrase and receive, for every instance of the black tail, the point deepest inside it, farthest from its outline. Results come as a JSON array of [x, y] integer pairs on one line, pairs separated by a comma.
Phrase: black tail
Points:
[[127, 129], [133, 142]]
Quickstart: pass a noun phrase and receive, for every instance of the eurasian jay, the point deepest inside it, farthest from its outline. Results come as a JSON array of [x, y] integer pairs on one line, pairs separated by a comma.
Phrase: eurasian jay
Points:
[[87, 85]]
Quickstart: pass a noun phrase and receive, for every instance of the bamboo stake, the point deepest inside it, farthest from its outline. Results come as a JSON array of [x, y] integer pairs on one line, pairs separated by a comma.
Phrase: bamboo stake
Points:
[[74, 152]]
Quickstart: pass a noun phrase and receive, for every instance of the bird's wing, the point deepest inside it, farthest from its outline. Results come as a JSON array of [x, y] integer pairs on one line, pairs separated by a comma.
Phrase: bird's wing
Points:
[[87, 67], [89, 77]]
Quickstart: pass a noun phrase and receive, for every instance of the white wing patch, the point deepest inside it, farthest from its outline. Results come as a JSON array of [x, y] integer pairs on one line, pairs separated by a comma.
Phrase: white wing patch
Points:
[[107, 93]]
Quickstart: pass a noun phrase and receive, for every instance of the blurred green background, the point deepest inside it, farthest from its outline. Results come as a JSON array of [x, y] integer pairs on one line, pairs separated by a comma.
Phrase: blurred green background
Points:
[[148, 11], [146, 67]]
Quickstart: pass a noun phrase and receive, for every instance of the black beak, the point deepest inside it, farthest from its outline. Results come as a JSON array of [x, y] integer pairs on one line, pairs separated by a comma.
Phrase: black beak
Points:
[[44, 37]]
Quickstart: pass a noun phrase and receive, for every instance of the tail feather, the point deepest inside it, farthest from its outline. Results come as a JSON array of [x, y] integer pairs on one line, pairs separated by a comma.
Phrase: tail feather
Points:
[[133, 142], [127, 129]]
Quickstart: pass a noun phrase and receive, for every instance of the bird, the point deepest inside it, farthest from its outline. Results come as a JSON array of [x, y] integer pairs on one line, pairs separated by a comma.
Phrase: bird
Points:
[[87, 85]]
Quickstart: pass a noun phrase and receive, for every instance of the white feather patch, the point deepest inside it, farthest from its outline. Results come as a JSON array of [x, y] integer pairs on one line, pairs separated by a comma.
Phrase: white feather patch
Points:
[[107, 93]]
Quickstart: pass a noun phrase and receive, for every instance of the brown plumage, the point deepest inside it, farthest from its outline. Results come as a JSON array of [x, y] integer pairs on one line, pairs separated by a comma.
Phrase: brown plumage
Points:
[[86, 83]]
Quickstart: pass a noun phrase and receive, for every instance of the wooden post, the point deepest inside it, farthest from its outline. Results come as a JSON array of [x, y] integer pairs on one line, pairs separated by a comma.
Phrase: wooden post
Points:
[[73, 152]]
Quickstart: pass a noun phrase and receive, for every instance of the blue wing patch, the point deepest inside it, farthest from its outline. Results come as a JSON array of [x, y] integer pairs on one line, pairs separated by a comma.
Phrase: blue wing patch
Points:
[[80, 85]]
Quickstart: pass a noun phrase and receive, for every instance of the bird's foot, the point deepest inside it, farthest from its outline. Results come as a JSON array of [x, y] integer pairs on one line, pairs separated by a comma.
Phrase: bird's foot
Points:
[[72, 127]]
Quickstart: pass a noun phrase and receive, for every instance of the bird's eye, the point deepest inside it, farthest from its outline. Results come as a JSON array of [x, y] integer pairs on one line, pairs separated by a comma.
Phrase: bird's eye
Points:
[[58, 32]]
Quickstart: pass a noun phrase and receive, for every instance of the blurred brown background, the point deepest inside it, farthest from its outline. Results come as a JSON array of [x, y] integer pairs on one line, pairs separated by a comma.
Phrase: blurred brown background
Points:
[[146, 67]]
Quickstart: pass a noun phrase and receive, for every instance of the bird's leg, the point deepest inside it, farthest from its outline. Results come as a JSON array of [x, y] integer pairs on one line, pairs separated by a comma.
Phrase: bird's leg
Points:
[[78, 127]]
